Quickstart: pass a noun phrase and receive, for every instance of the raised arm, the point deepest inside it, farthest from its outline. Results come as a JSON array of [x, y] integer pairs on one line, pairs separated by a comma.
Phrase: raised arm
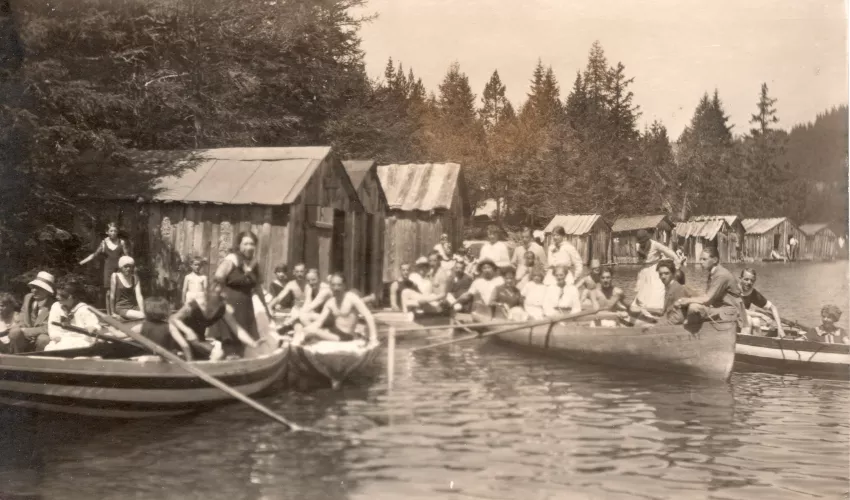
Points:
[[94, 254], [668, 252]]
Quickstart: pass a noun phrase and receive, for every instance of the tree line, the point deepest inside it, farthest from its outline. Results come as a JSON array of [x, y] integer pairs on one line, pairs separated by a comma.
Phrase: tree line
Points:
[[83, 83]]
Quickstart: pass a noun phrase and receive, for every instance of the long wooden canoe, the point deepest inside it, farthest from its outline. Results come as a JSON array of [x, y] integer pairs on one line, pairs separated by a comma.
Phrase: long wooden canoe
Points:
[[128, 388], [792, 356], [706, 351], [400, 321]]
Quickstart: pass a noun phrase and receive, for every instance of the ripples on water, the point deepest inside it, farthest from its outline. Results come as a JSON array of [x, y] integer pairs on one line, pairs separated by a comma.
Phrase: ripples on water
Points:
[[474, 421]]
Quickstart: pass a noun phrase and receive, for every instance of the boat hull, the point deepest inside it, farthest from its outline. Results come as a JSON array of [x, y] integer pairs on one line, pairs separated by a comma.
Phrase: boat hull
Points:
[[402, 321], [706, 352], [328, 364], [792, 356], [126, 388]]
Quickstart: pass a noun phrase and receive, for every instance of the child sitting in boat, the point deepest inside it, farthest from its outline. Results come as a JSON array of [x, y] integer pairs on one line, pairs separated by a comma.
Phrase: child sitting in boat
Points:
[[70, 310], [156, 328], [828, 332]]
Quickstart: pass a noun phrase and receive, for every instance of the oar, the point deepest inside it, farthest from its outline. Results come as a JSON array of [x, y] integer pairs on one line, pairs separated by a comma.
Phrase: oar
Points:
[[85, 332], [525, 324], [452, 326], [189, 367]]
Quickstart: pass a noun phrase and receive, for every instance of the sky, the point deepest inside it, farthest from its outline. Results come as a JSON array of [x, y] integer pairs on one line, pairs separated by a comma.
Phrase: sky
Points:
[[676, 50]]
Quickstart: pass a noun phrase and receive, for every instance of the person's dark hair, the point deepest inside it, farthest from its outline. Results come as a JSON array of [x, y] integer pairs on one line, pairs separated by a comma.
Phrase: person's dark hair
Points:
[[434, 253], [560, 231], [7, 299], [607, 270], [281, 268], [337, 274], [72, 287], [748, 270], [157, 309], [668, 264], [241, 236], [712, 252], [508, 270], [679, 276]]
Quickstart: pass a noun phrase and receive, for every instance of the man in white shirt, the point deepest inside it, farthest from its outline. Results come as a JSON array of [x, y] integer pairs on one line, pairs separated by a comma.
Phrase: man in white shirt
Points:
[[70, 310], [528, 245], [485, 284], [562, 297], [434, 287], [495, 250]]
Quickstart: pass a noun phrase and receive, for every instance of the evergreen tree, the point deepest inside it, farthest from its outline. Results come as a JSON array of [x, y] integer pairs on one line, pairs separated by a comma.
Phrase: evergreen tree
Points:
[[494, 104]]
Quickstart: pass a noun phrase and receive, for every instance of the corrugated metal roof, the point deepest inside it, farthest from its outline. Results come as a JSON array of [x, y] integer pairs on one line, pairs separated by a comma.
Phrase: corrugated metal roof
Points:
[[707, 229], [262, 176], [638, 222], [813, 229], [357, 170], [574, 224], [425, 186], [761, 226]]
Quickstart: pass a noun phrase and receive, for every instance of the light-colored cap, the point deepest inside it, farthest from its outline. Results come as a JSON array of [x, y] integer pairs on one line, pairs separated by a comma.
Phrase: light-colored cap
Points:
[[45, 281]]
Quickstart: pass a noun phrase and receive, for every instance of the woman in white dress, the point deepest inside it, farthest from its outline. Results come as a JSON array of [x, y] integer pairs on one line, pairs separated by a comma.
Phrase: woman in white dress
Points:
[[562, 254], [649, 289]]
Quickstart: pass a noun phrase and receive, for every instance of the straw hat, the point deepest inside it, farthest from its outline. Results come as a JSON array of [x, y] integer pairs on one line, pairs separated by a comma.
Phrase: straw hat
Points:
[[487, 262], [45, 281], [422, 261]]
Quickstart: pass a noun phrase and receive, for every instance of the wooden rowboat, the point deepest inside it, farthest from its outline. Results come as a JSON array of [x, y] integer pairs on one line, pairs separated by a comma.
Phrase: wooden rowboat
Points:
[[328, 363], [706, 351], [129, 388], [792, 356]]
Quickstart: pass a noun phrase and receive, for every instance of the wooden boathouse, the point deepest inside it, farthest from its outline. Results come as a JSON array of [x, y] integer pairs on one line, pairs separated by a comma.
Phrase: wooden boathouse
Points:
[[589, 233], [294, 199], [624, 232], [366, 228], [724, 232], [819, 242], [424, 201], [764, 236]]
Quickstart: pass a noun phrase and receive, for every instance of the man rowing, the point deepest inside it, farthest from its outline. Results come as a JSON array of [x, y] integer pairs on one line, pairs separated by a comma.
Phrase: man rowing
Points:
[[345, 309], [751, 297]]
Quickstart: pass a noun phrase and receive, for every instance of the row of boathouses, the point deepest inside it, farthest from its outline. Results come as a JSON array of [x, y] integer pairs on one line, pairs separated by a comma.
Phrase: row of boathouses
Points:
[[365, 220]]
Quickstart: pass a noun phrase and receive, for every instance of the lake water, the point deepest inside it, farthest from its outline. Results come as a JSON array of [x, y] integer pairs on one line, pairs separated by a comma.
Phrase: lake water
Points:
[[476, 421]]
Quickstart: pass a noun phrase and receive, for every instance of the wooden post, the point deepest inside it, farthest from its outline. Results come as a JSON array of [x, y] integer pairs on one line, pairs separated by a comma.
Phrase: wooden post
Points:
[[390, 358]]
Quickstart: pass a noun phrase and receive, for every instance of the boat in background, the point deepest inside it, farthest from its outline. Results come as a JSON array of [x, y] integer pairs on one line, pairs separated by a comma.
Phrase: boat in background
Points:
[[787, 355], [706, 350], [385, 319]]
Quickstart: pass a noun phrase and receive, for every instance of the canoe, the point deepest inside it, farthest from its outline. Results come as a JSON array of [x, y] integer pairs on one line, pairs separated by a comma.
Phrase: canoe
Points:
[[401, 321], [328, 363], [129, 388], [792, 356], [706, 350]]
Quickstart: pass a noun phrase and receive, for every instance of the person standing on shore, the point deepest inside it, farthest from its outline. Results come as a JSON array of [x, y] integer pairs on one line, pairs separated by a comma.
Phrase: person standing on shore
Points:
[[112, 248]]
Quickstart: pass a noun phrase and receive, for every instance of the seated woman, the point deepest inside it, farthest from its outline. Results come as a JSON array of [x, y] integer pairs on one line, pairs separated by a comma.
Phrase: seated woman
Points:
[[8, 319], [828, 332], [508, 297], [70, 310], [345, 310], [125, 291], [561, 297], [534, 295], [191, 322]]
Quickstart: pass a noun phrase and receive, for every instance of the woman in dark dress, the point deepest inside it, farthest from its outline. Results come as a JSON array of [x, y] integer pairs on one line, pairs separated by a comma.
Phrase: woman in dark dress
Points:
[[112, 248], [238, 274]]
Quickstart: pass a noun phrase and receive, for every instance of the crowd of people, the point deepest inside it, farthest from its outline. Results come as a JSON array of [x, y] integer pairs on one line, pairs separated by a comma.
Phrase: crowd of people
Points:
[[536, 283], [217, 319]]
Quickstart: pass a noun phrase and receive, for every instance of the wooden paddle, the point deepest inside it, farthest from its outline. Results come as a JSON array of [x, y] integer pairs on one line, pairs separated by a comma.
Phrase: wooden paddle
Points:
[[194, 370], [108, 338], [525, 324], [452, 326]]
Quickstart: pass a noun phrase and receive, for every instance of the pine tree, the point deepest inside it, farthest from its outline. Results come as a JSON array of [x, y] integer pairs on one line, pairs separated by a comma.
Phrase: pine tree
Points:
[[766, 165], [494, 104]]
